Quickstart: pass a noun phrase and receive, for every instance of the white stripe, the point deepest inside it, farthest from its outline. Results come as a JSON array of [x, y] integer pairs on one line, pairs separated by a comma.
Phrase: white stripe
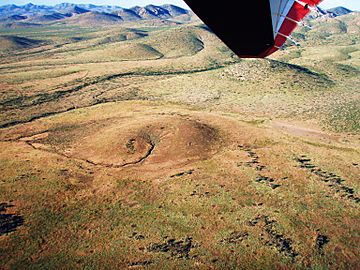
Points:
[[279, 11], [280, 34], [285, 12], [288, 18], [302, 3]]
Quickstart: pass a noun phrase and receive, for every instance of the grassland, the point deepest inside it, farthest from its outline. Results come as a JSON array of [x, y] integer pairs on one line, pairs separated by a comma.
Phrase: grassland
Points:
[[153, 146]]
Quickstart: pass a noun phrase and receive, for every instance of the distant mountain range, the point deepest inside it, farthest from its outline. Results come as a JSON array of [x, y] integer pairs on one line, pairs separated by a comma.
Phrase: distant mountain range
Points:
[[31, 15], [335, 12]]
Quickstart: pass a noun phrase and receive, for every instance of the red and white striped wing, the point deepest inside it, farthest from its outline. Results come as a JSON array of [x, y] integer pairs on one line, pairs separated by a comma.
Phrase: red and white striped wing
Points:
[[286, 15]]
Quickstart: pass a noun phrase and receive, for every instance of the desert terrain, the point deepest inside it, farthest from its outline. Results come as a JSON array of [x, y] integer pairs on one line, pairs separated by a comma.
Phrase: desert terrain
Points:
[[143, 142]]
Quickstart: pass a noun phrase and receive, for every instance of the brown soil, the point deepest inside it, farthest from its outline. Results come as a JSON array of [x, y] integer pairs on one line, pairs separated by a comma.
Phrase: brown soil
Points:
[[163, 141]]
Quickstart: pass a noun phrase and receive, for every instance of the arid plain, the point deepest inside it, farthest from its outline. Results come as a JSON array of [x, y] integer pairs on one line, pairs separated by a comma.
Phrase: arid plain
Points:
[[149, 144]]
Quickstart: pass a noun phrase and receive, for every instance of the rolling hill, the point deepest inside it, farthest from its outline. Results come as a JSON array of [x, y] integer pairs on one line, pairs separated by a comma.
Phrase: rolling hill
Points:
[[134, 138], [339, 11], [53, 14], [94, 18], [128, 14], [29, 11], [14, 43]]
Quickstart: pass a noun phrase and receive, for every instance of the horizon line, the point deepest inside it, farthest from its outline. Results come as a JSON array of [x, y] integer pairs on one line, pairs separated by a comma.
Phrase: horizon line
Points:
[[121, 6]]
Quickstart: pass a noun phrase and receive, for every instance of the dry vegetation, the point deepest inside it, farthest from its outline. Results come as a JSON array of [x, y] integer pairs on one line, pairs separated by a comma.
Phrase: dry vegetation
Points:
[[151, 145]]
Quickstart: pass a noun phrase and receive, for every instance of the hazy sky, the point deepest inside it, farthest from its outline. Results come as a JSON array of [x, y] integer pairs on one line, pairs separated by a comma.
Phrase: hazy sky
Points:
[[352, 4]]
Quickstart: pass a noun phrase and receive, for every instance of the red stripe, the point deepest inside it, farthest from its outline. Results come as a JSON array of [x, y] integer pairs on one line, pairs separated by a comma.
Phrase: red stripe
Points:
[[268, 52], [312, 2], [287, 27], [280, 40], [296, 13]]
